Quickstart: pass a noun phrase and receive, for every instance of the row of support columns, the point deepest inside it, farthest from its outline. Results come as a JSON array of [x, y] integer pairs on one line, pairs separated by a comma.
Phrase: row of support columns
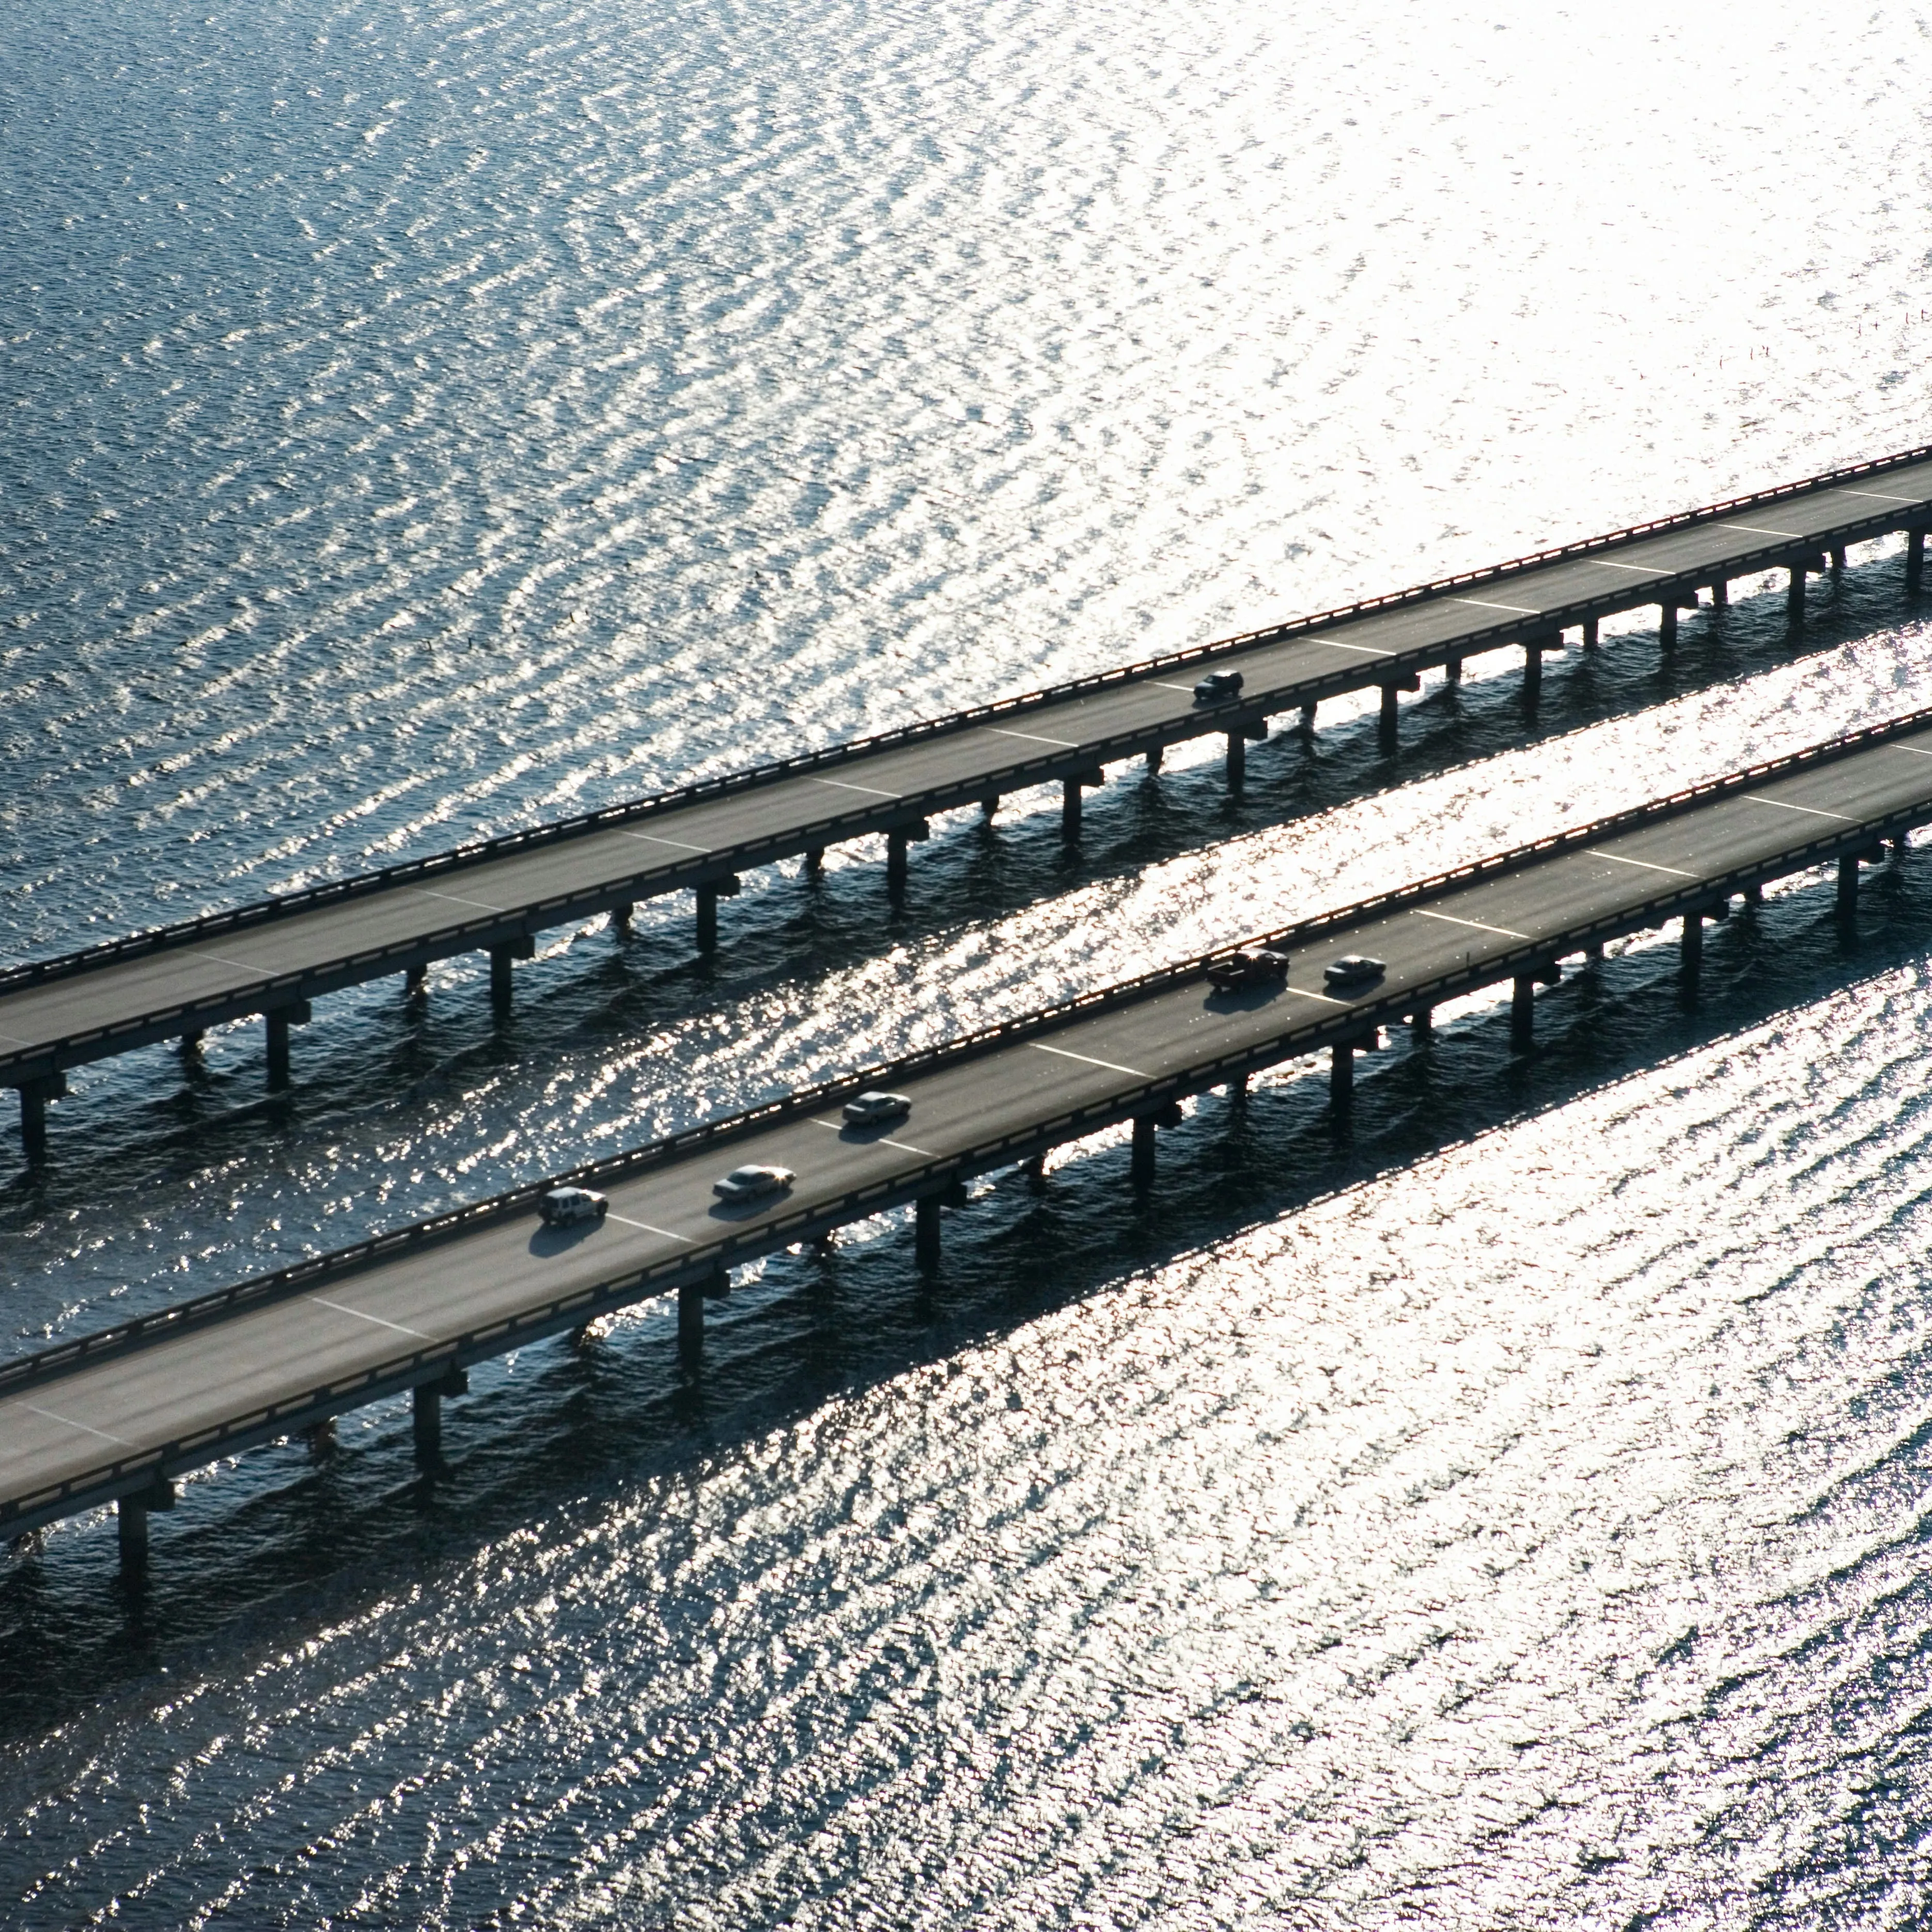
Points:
[[36, 1095]]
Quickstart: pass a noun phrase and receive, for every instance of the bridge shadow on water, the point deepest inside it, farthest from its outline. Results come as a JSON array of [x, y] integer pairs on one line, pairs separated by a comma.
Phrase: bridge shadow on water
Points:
[[280, 1542], [158, 1117]]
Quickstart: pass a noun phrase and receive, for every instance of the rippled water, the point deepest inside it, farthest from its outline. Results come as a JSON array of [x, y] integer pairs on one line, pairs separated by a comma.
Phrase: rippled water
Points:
[[423, 422]]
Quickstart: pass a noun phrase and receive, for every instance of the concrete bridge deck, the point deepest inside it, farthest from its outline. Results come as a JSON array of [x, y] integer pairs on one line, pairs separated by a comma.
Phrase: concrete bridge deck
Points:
[[273, 957], [119, 1413]]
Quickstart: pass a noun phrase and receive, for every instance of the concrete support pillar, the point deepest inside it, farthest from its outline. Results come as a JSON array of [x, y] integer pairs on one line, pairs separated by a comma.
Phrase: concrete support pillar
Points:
[[1848, 885], [131, 1523], [1390, 719], [1238, 1088], [1422, 1025], [1069, 809], [1667, 626], [1915, 558], [1153, 760], [896, 866], [1753, 895], [1034, 1168], [1590, 629], [708, 897], [1594, 953], [1532, 672], [279, 1020], [814, 863], [320, 1437], [190, 1044], [1452, 670], [1691, 958], [1523, 1012], [690, 1320], [989, 805], [925, 1233], [1794, 595], [428, 1421], [1308, 721], [415, 979], [1836, 558], [620, 917], [1141, 1167], [1341, 1075], [34, 1096], [1720, 594], [1237, 760]]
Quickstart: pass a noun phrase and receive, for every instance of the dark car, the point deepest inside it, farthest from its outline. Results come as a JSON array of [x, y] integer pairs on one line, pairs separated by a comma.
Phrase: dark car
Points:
[[565, 1207], [1218, 686], [1353, 969], [1253, 966]]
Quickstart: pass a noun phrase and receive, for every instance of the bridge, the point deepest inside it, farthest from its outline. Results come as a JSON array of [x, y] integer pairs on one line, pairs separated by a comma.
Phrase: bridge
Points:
[[116, 1415], [273, 958]]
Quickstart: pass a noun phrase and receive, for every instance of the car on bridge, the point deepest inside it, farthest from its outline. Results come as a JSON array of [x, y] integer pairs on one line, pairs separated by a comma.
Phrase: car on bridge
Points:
[[752, 1183], [875, 1109], [1251, 966], [565, 1207], [1352, 971], [1218, 686]]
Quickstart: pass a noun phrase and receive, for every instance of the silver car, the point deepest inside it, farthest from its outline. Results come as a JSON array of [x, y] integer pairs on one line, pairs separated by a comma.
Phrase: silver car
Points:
[[750, 1183], [565, 1207], [1353, 969], [872, 1110]]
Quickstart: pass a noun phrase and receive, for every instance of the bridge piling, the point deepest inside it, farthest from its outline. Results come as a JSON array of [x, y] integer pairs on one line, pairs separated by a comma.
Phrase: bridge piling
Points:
[[1915, 558], [1154, 758], [1794, 595], [708, 896], [1388, 724], [426, 1421], [1141, 1165], [925, 1243], [1720, 594], [1848, 887], [1422, 1025], [1690, 953], [814, 863], [1308, 721], [896, 866], [1532, 672], [131, 1533], [1666, 625], [1522, 1013], [620, 917], [279, 1020], [35, 1097], [1237, 760], [1591, 638], [1452, 670], [690, 1320], [415, 981], [1341, 1076]]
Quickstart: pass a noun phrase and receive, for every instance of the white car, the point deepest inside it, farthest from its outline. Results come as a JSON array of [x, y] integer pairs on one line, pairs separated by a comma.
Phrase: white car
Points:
[[1353, 969], [749, 1183], [871, 1110], [565, 1207]]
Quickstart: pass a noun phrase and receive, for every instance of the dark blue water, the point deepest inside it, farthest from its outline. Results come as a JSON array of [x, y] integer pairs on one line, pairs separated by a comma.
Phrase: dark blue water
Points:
[[422, 422]]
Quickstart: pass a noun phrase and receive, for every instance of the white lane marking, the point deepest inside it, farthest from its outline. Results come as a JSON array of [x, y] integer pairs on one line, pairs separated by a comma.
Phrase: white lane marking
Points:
[[1034, 738], [1677, 871], [1086, 1059], [1450, 919], [1186, 690], [654, 838], [1759, 530], [86, 1428], [1518, 609], [1642, 569], [456, 899], [1878, 496], [905, 1147], [871, 791], [343, 1308], [648, 1228], [1327, 999], [16, 1039], [1375, 650], [1758, 798], [1917, 751], [240, 965]]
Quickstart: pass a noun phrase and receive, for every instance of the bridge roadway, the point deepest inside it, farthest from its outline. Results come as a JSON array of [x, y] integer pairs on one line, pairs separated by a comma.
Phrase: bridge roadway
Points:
[[275, 957], [120, 1412]]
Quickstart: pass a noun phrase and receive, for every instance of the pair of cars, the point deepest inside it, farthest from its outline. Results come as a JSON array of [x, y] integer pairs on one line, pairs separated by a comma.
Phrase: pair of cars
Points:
[[566, 1207], [1264, 966]]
